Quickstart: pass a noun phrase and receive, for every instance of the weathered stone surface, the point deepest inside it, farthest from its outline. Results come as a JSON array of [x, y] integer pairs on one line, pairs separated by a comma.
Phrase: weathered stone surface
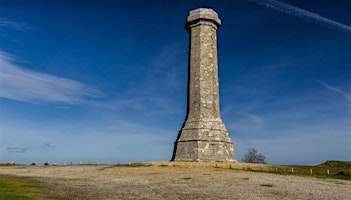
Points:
[[203, 136]]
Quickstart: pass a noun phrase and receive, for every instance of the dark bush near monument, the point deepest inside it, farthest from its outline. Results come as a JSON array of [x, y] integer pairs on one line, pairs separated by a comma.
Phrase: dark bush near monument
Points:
[[252, 156]]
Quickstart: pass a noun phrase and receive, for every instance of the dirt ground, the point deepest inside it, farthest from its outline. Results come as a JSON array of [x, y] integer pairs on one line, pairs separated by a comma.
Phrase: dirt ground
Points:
[[163, 181]]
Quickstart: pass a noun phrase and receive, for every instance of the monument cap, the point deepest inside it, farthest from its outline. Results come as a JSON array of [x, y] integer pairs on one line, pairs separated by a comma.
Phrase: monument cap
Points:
[[206, 14]]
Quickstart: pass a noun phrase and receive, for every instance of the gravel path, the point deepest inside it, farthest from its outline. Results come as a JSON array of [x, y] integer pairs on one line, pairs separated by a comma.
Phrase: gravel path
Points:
[[169, 182]]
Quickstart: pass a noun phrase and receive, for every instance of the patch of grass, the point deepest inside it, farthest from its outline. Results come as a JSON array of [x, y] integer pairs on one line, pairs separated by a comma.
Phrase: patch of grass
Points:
[[129, 165], [266, 185], [18, 189], [186, 178], [342, 175], [135, 165], [8, 164]]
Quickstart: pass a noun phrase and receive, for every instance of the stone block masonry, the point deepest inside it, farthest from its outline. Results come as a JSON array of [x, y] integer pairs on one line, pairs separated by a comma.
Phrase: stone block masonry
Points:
[[203, 136]]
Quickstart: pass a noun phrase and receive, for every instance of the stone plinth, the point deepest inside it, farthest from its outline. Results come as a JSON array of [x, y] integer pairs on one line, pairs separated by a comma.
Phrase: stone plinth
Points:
[[203, 136]]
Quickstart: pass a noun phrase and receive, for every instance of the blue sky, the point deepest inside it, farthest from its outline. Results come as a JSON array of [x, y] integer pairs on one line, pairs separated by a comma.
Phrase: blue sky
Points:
[[100, 81]]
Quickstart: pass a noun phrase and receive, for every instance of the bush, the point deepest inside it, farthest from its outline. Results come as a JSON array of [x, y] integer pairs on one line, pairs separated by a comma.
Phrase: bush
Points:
[[46, 164], [33, 164], [252, 156]]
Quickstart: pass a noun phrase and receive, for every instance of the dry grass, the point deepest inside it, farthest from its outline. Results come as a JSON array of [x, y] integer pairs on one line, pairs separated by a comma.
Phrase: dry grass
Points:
[[178, 180], [336, 169]]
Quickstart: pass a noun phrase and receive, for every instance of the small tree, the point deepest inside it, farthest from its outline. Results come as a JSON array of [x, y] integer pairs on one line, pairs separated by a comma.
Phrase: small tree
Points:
[[251, 156]]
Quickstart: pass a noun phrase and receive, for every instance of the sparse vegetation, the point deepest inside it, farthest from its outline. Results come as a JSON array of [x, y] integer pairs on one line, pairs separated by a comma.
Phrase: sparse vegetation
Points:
[[67, 180], [336, 169], [328, 169], [190, 178], [134, 165]]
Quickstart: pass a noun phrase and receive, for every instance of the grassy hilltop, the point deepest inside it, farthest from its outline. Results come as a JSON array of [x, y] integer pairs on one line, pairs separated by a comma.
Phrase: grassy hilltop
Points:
[[19, 187]]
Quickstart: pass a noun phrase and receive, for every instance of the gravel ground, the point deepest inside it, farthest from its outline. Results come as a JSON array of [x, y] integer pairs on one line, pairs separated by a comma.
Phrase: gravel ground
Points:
[[176, 182]]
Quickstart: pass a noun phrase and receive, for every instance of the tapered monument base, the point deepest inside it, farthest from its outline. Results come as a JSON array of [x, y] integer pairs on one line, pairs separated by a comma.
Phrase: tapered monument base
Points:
[[211, 142]]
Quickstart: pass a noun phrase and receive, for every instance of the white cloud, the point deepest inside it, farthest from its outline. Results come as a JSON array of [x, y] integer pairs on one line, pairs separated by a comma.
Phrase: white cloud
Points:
[[338, 91], [13, 25], [17, 150], [303, 14], [21, 84]]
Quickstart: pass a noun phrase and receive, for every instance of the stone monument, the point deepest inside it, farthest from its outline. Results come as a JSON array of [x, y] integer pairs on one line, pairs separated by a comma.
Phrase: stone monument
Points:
[[203, 136]]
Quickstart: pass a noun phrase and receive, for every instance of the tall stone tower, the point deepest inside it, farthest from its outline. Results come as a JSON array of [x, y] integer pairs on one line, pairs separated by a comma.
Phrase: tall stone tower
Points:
[[203, 136]]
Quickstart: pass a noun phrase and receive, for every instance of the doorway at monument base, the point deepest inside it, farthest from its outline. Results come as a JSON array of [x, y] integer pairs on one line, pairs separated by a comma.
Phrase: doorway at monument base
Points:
[[204, 141]]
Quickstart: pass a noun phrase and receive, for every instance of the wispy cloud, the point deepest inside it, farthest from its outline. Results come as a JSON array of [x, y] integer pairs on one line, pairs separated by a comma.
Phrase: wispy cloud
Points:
[[21, 84], [48, 145], [253, 117], [153, 95], [13, 25], [169, 58], [303, 14], [17, 150], [338, 91]]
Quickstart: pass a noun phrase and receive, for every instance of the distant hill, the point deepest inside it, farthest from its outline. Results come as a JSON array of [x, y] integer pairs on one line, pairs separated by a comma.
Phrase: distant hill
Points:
[[336, 163]]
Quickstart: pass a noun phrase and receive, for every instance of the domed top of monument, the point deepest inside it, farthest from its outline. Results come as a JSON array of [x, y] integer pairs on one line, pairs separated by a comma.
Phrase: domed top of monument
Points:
[[207, 14]]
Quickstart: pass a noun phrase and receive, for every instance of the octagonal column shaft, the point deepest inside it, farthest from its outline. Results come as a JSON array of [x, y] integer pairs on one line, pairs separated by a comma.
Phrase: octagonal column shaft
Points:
[[203, 136]]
